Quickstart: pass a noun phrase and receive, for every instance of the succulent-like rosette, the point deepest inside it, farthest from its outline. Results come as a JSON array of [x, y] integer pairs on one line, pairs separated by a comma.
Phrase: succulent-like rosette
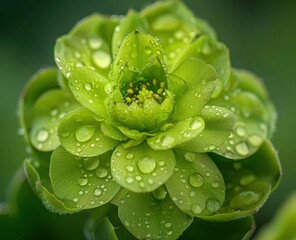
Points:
[[145, 112]]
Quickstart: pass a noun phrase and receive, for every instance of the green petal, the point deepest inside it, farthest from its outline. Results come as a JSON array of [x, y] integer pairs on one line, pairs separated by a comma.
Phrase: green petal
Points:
[[88, 44], [80, 133], [131, 22], [219, 122], [200, 84], [250, 129], [197, 186], [101, 229], [232, 230], [248, 182], [174, 24], [283, 224], [212, 52], [40, 183], [48, 109], [42, 81], [181, 132], [91, 89], [147, 217], [251, 83], [140, 168], [137, 52], [112, 132], [85, 182]]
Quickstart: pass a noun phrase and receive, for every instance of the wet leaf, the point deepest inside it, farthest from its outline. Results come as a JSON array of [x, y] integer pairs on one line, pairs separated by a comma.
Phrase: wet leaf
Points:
[[219, 122], [140, 168], [88, 44], [200, 85], [80, 133], [47, 111], [197, 186], [181, 132], [248, 182], [148, 217], [85, 182]]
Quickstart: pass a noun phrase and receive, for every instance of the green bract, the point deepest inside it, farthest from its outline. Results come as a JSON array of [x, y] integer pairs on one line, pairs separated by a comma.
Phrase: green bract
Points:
[[145, 112]]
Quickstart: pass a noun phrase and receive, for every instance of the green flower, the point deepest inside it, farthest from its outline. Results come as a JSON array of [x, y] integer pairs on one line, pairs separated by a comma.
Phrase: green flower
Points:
[[145, 112]]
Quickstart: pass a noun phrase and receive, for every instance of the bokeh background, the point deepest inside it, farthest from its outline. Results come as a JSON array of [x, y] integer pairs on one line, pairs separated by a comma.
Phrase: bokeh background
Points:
[[261, 36]]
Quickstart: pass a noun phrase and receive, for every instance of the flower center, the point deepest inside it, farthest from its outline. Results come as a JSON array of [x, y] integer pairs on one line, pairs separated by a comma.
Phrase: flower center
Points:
[[139, 91]]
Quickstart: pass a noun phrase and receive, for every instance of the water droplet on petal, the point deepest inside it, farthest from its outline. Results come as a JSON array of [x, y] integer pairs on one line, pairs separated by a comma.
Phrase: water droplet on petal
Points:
[[196, 209], [129, 168], [102, 59], [240, 132], [146, 165], [213, 205], [167, 140], [88, 86], [42, 135], [82, 181], [196, 180], [97, 191], [190, 156], [196, 124], [91, 163], [255, 140], [148, 50], [95, 43], [215, 184], [85, 133], [242, 149], [101, 172], [75, 200], [168, 225], [246, 179], [129, 156], [245, 199], [160, 193]]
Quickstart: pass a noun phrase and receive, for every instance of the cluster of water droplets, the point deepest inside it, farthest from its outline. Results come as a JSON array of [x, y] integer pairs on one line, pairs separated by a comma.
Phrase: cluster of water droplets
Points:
[[94, 183], [196, 185], [139, 172], [244, 195], [44, 135]]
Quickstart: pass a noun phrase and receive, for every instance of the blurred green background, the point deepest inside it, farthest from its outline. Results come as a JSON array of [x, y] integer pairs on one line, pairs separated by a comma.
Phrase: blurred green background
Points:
[[261, 36]]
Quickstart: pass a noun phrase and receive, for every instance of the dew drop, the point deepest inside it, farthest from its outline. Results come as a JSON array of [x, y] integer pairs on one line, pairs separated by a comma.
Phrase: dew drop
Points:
[[160, 193], [88, 86], [129, 156], [242, 149], [215, 184], [196, 124], [42, 135], [213, 205], [101, 172], [196, 209], [148, 50], [167, 140], [129, 180], [97, 191], [85, 133], [102, 59], [91, 163], [206, 49], [168, 225], [246, 179], [118, 154], [146, 165], [196, 180], [190, 156], [82, 181], [75, 199], [54, 112], [245, 199], [95, 43], [255, 140], [240, 132], [129, 168]]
